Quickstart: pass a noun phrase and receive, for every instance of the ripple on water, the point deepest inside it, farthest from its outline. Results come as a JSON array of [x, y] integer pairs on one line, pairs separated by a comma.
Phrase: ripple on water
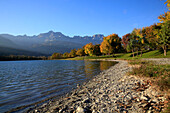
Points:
[[27, 82]]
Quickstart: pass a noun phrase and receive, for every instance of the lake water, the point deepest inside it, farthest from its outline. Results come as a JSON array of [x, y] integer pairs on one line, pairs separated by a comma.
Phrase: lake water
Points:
[[26, 83]]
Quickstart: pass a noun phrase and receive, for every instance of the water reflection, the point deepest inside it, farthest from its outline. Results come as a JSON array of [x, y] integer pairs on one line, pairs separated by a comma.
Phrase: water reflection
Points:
[[92, 66], [105, 65]]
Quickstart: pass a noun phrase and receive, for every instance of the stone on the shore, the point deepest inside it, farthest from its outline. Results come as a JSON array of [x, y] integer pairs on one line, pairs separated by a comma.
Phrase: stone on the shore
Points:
[[80, 110]]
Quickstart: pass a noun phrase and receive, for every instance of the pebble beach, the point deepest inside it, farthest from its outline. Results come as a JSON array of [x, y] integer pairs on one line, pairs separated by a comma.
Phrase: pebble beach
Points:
[[112, 91]]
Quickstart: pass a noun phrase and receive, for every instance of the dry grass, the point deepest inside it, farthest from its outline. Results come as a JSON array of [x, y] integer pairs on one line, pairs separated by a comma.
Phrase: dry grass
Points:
[[159, 75]]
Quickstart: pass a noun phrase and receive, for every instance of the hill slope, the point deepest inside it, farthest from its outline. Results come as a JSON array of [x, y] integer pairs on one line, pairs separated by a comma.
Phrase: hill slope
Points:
[[6, 51]]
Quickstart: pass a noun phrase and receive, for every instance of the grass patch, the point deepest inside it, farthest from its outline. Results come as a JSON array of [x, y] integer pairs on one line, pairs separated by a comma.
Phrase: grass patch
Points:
[[138, 62], [146, 54], [150, 70], [126, 56], [160, 73]]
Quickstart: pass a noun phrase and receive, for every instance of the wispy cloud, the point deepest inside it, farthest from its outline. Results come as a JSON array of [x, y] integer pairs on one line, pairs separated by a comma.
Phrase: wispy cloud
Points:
[[124, 11]]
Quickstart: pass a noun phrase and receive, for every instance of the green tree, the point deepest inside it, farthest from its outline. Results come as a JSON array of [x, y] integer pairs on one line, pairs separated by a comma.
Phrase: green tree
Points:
[[131, 45], [164, 36], [141, 41]]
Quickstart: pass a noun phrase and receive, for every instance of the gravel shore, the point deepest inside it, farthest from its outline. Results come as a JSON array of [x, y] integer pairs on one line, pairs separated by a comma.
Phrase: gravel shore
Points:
[[112, 91], [158, 61]]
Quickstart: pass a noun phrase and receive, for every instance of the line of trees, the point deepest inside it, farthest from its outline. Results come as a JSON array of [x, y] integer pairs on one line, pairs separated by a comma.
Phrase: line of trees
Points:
[[150, 37], [110, 45]]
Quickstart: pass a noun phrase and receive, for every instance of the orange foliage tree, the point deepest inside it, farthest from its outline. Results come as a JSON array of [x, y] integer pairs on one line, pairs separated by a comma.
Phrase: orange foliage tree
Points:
[[56, 55], [89, 48], [72, 53], [150, 34], [80, 52], [110, 44]]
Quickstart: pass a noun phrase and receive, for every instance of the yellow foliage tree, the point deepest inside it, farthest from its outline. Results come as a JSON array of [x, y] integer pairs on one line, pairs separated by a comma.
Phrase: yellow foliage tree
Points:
[[165, 17], [110, 44], [88, 49], [168, 4]]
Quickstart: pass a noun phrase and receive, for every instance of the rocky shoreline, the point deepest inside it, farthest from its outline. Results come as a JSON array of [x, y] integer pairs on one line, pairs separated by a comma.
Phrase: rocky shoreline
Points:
[[112, 91]]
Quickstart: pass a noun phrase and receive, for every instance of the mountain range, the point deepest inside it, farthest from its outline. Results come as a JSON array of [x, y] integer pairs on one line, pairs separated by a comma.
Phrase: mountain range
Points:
[[44, 44]]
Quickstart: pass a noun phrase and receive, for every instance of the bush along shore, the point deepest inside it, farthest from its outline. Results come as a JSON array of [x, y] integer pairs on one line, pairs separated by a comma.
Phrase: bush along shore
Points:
[[110, 91]]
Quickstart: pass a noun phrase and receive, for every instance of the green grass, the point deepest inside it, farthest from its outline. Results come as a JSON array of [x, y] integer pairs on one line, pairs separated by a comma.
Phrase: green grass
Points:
[[156, 54], [146, 54], [126, 56], [151, 70]]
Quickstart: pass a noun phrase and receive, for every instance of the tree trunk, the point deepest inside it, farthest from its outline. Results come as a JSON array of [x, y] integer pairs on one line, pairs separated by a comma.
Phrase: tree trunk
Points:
[[141, 53], [137, 53], [133, 52], [164, 50]]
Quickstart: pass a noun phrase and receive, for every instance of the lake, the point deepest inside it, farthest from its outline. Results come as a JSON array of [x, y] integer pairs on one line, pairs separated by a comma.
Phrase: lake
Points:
[[26, 83]]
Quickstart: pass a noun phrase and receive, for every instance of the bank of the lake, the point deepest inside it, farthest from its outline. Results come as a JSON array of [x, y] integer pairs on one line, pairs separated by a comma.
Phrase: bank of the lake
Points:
[[110, 91]]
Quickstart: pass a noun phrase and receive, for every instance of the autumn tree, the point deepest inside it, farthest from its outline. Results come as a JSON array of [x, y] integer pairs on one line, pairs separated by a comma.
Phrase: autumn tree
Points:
[[125, 40], [72, 53], [110, 44], [150, 33], [66, 55], [168, 4], [56, 55], [165, 17], [96, 50], [89, 48], [80, 52]]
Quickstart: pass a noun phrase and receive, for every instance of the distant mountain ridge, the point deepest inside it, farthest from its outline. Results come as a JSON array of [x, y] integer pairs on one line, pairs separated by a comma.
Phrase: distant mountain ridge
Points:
[[48, 43]]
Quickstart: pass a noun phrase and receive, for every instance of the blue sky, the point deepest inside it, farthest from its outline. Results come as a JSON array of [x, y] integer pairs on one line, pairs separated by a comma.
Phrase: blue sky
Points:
[[78, 17]]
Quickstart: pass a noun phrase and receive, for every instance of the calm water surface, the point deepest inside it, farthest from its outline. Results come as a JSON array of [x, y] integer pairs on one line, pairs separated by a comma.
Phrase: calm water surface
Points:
[[25, 83]]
